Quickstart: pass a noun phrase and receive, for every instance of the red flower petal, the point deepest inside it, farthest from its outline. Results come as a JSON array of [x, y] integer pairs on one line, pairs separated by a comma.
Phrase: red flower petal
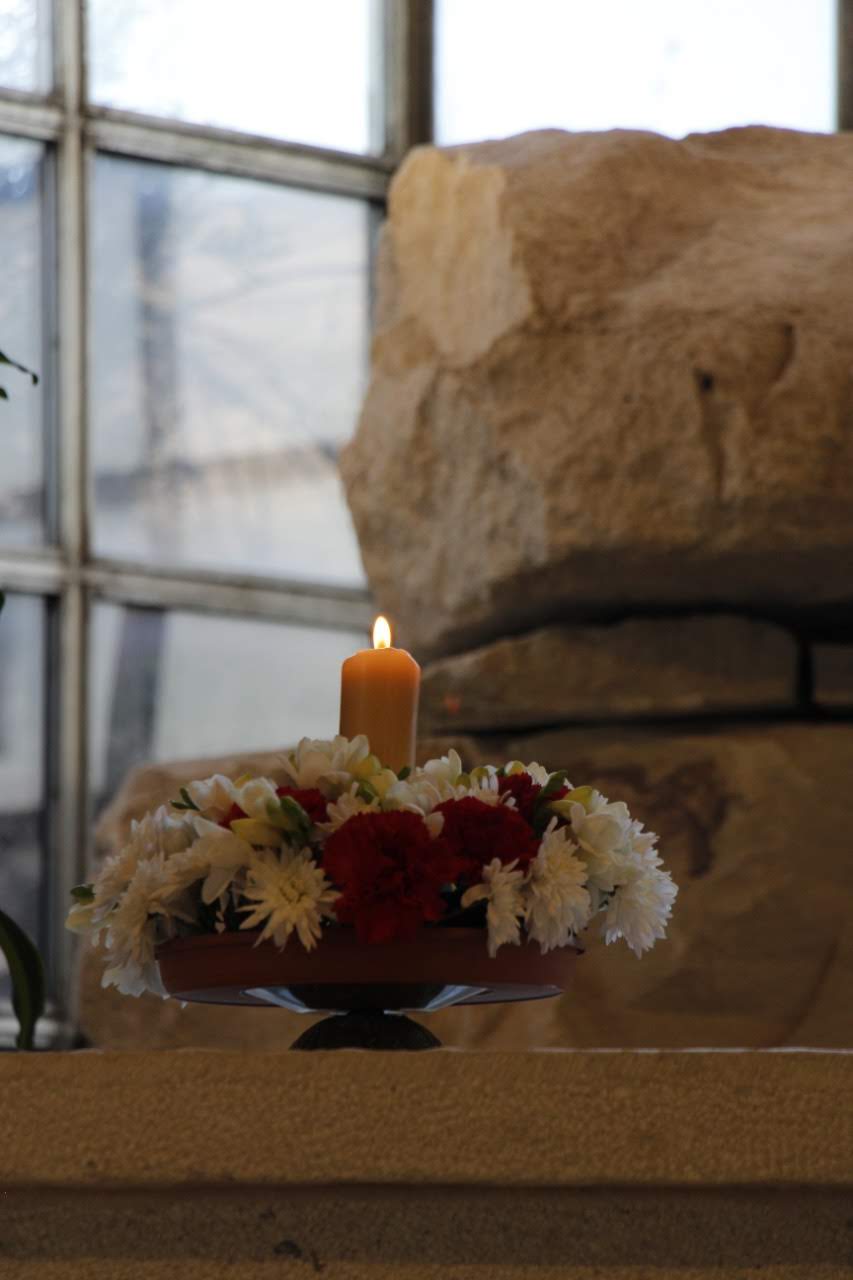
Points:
[[390, 872], [476, 833]]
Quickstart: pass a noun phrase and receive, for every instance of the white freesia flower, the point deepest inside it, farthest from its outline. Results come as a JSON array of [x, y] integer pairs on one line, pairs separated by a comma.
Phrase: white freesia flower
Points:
[[216, 858], [324, 764], [501, 887], [558, 905], [286, 894], [213, 796], [641, 905], [537, 772], [442, 770], [603, 833], [254, 796], [347, 805]]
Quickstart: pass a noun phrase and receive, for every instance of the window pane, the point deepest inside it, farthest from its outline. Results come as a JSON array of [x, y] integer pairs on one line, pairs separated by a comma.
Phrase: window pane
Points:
[[229, 356], [25, 45], [21, 768], [302, 70], [504, 66], [174, 685], [21, 338]]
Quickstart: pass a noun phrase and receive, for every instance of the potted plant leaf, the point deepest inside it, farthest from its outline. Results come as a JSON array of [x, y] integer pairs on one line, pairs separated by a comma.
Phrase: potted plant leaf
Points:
[[22, 958]]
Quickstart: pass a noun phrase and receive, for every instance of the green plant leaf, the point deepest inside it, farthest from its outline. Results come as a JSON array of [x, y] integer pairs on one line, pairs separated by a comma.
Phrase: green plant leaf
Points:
[[22, 368], [27, 973], [404, 772], [186, 801]]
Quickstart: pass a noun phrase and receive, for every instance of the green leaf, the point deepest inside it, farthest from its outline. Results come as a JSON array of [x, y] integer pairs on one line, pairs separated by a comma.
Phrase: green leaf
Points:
[[366, 791], [185, 802], [298, 825], [554, 783], [27, 974], [4, 394], [22, 368], [83, 893], [404, 772]]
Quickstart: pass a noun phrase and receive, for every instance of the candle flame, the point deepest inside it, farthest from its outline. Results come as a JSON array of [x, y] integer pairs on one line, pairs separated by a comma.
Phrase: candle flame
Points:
[[381, 633]]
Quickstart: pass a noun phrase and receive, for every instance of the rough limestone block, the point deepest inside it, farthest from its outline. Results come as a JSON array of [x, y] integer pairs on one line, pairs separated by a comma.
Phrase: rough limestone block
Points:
[[755, 824], [642, 667], [608, 368], [833, 675]]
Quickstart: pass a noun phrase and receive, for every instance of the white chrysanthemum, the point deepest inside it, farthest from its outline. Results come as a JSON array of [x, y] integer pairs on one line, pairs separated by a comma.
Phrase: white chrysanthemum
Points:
[[286, 894], [158, 835], [254, 796], [347, 805], [317, 762], [558, 905], [213, 796], [641, 905], [134, 928], [216, 859], [501, 887]]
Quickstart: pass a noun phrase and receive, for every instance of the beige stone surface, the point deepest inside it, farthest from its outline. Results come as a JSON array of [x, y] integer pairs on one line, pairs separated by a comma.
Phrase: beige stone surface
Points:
[[833, 675], [755, 824], [199, 1118], [609, 367], [640, 667]]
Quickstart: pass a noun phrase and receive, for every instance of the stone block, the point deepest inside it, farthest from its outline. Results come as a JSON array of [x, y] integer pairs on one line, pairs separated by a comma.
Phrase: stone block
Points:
[[609, 368], [832, 666], [642, 667]]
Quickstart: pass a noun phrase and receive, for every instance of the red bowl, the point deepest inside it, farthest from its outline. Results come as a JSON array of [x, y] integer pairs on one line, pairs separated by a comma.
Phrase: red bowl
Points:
[[436, 968]]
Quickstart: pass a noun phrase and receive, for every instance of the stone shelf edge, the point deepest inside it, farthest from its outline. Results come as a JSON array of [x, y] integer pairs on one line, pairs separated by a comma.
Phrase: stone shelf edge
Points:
[[562, 1119]]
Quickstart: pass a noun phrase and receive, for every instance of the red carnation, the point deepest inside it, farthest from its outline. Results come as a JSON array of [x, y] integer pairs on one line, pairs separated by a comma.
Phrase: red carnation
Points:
[[476, 833], [313, 801], [525, 792], [390, 872]]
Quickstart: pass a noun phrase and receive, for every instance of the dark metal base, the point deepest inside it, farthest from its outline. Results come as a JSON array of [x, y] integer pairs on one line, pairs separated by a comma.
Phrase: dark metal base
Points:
[[367, 1029]]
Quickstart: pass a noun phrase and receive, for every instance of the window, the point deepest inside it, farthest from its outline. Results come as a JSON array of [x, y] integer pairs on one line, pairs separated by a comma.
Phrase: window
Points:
[[505, 66], [189, 208]]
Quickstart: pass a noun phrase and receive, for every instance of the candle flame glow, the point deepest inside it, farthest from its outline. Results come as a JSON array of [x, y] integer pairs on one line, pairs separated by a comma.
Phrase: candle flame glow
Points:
[[381, 633]]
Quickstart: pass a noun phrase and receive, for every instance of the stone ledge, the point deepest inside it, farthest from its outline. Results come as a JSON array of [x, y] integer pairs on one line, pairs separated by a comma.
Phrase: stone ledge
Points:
[[543, 1119]]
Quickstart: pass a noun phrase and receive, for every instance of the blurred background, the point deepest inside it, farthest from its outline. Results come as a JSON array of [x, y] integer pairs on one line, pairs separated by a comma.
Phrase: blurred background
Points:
[[190, 195]]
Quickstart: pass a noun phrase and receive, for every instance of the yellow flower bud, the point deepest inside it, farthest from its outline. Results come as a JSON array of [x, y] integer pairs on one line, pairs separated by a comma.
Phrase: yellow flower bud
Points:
[[255, 832]]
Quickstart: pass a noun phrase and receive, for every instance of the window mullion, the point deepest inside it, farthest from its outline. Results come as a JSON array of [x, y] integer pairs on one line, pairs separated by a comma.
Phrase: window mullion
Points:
[[845, 64], [67, 710], [408, 75]]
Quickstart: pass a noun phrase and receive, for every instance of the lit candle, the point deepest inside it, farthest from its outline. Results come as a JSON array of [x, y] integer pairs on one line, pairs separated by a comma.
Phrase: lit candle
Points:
[[379, 697]]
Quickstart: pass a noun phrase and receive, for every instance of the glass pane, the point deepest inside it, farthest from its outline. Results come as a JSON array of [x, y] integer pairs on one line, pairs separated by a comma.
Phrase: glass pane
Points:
[[504, 66], [176, 685], [21, 768], [21, 338], [303, 70], [25, 45], [229, 356]]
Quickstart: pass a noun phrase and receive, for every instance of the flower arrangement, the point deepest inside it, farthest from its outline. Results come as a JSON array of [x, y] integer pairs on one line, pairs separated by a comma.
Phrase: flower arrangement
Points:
[[345, 842]]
